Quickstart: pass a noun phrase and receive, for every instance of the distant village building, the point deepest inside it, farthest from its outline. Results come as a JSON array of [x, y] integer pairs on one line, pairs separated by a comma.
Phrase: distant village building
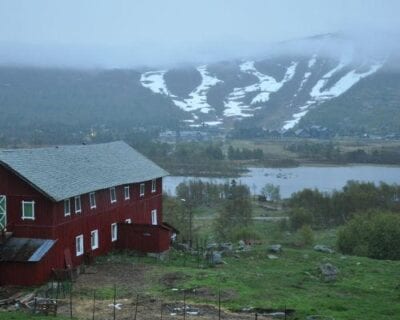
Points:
[[61, 206]]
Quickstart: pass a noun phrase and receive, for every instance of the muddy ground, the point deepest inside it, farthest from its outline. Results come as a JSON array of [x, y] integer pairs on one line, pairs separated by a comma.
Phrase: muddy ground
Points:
[[133, 300]]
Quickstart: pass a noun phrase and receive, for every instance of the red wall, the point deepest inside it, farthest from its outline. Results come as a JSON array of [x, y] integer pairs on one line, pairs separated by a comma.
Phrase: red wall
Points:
[[50, 222], [144, 238]]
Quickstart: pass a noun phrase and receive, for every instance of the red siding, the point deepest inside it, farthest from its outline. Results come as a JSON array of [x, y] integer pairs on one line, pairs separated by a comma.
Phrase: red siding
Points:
[[50, 222], [144, 238]]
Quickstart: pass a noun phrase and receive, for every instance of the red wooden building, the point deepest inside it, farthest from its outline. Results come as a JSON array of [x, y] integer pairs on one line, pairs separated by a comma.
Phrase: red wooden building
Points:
[[61, 205]]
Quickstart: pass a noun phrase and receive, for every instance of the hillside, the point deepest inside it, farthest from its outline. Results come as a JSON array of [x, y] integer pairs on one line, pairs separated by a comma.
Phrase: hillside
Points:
[[323, 81]]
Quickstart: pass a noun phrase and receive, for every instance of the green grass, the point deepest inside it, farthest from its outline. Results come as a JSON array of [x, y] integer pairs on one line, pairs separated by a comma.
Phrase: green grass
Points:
[[365, 288], [21, 315]]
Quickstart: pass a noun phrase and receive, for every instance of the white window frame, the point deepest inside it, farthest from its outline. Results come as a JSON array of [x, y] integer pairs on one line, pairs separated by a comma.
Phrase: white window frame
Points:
[[79, 245], [142, 189], [113, 192], [94, 235], [67, 213], [114, 232], [129, 221], [92, 203], [77, 199], [154, 219], [23, 210], [153, 185], [127, 194]]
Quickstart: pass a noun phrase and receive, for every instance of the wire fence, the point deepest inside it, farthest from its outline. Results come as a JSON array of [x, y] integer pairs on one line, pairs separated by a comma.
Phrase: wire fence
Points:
[[139, 306]]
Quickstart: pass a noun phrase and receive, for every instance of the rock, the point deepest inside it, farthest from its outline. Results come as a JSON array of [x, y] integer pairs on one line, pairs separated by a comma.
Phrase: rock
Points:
[[212, 246], [226, 247], [329, 271], [214, 257], [272, 257], [323, 248], [241, 244], [276, 315], [275, 248]]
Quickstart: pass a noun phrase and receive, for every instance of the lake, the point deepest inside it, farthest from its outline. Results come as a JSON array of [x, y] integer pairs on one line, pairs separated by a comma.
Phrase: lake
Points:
[[324, 178]]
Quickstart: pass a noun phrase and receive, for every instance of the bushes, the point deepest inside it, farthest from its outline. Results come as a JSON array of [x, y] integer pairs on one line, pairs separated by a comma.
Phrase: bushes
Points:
[[375, 235], [328, 210]]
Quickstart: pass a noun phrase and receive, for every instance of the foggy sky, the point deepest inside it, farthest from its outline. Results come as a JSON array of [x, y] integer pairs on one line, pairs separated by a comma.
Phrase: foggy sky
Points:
[[116, 33]]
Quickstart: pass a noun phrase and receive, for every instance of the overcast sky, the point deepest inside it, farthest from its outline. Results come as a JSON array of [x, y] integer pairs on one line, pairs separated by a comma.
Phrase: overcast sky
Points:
[[127, 33]]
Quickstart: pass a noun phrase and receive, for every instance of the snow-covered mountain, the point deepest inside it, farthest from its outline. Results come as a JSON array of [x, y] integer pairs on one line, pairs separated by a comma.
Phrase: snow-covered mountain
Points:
[[275, 92]]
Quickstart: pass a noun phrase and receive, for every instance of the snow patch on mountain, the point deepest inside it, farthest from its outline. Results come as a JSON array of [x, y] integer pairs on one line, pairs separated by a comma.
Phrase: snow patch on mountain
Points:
[[154, 80], [318, 95], [197, 101], [234, 105]]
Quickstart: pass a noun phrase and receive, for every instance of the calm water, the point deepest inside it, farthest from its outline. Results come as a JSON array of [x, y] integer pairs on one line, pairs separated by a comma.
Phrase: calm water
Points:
[[294, 179]]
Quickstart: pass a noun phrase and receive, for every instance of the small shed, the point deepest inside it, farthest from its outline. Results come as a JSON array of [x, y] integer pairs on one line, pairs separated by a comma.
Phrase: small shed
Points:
[[24, 256]]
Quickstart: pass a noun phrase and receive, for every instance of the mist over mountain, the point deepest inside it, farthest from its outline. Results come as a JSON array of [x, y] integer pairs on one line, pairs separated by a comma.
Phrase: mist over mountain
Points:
[[328, 81]]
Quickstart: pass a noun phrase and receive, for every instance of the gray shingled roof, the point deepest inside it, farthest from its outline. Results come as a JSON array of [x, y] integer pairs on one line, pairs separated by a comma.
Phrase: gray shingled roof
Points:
[[66, 171]]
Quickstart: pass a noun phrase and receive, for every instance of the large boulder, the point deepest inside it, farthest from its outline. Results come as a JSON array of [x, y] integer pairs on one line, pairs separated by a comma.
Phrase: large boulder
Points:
[[329, 271], [275, 248], [323, 248]]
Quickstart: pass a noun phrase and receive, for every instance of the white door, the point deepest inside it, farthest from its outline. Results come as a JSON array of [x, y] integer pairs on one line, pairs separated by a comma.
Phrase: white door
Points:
[[3, 212], [154, 217]]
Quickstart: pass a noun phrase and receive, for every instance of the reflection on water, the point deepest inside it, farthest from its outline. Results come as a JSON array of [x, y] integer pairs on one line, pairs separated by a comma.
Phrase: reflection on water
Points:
[[294, 179]]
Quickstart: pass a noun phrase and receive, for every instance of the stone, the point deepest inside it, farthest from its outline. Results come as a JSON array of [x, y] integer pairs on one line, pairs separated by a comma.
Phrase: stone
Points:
[[329, 271], [226, 247], [215, 257], [272, 257], [275, 248], [323, 248]]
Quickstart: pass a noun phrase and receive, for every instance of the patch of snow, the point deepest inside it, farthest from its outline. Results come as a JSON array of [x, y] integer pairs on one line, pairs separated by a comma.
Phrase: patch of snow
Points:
[[234, 105], [213, 123], [154, 80], [341, 86], [312, 61], [197, 100]]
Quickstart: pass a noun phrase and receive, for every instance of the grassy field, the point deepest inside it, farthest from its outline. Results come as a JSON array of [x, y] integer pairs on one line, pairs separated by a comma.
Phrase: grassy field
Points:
[[246, 280]]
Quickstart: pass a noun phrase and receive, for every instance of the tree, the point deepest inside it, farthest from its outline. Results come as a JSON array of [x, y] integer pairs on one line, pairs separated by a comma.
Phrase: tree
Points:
[[271, 192], [373, 234], [236, 211]]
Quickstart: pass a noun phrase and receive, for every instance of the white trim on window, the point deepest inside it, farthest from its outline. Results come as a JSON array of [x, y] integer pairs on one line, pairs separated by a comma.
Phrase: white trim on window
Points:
[[127, 195], [67, 207], [78, 204], [153, 185], [154, 217], [113, 195], [92, 200], [141, 190], [79, 245], [24, 214], [129, 221], [94, 239], [114, 232]]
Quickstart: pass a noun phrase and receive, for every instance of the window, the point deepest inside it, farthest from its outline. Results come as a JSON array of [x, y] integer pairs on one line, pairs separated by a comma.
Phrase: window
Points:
[[141, 189], [114, 232], [28, 210], [94, 239], [113, 196], [129, 221], [153, 185], [79, 245], [78, 208], [92, 200], [127, 196], [154, 216], [67, 207]]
